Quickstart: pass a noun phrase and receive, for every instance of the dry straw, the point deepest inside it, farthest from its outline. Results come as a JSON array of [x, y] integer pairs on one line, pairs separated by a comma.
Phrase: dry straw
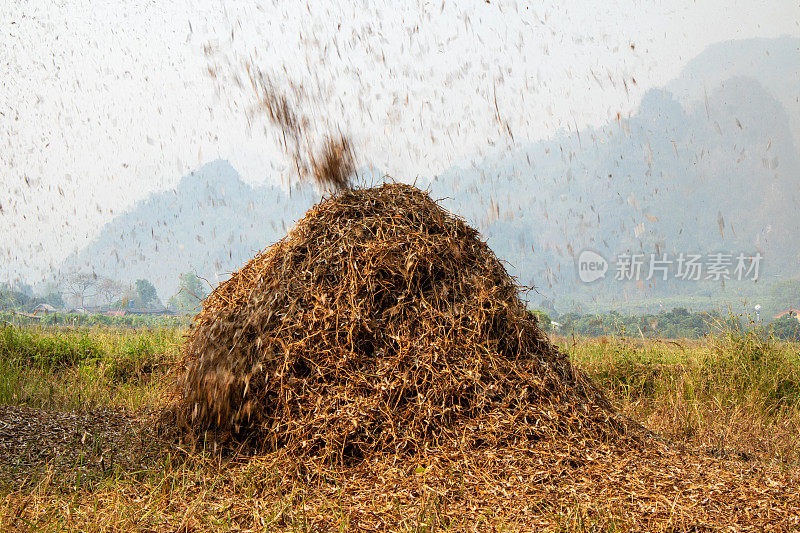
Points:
[[380, 324]]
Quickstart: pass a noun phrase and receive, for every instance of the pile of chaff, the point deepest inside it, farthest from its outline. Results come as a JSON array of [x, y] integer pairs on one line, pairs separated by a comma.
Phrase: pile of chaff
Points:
[[381, 324]]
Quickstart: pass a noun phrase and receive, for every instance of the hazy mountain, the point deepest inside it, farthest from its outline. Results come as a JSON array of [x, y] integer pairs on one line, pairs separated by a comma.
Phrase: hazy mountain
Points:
[[708, 164], [773, 62], [675, 177], [210, 224], [664, 181]]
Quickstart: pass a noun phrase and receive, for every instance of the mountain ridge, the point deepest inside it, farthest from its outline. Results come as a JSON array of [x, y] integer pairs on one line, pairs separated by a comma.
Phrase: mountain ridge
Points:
[[648, 183]]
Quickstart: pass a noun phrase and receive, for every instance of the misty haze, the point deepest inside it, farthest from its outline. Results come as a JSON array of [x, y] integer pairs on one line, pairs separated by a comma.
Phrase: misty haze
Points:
[[415, 246]]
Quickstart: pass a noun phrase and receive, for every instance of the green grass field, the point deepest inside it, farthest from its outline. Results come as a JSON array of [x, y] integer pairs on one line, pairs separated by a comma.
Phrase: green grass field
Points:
[[735, 397]]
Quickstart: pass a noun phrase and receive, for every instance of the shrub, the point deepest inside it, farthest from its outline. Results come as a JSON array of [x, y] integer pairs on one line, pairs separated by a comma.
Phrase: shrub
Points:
[[58, 349]]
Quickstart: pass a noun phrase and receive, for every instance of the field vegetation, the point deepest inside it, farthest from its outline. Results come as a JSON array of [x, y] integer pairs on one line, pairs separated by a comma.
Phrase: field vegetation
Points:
[[676, 323], [734, 396]]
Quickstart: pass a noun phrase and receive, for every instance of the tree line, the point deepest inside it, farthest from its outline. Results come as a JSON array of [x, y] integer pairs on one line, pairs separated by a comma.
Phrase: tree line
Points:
[[88, 291], [677, 323]]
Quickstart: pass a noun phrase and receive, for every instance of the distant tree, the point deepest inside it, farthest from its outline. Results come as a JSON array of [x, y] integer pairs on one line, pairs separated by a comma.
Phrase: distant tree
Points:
[[568, 320], [126, 299], [55, 298], [146, 294], [543, 318], [24, 288], [80, 285], [785, 294], [50, 293], [109, 290], [11, 298], [787, 328], [190, 295]]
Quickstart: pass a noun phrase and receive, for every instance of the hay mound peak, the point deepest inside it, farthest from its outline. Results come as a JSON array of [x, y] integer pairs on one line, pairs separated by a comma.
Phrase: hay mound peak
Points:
[[380, 324]]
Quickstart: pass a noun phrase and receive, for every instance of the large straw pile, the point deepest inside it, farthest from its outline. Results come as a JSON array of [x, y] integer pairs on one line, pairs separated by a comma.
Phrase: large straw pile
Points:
[[379, 324]]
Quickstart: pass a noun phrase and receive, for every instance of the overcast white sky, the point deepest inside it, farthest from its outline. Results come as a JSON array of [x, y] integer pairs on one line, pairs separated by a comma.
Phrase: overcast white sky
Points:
[[102, 103]]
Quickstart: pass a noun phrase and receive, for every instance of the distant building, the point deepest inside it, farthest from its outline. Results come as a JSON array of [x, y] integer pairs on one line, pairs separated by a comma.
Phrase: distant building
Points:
[[132, 307], [44, 309], [794, 313]]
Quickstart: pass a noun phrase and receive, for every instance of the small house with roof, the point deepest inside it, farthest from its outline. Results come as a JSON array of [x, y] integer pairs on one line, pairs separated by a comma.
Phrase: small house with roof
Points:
[[794, 313]]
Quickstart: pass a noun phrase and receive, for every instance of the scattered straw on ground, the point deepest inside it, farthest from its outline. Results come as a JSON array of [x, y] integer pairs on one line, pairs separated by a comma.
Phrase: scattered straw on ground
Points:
[[89, 442], [549, 487]]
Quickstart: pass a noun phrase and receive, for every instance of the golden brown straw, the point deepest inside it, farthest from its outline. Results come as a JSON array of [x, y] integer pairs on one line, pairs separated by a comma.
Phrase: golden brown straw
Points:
[[380, 324]]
